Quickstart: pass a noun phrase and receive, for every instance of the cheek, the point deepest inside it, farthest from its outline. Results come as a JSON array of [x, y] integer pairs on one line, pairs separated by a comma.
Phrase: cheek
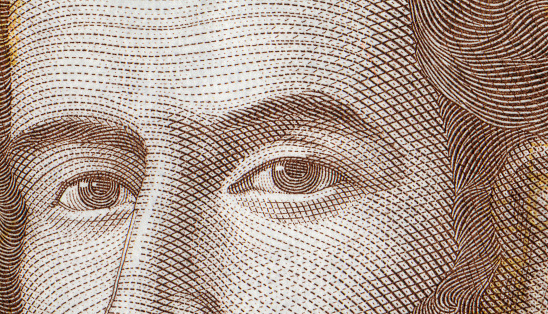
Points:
[[380, 253], [70, 272]]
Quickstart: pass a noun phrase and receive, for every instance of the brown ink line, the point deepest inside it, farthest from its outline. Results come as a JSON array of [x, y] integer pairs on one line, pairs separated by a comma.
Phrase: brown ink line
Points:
[[122, 262]]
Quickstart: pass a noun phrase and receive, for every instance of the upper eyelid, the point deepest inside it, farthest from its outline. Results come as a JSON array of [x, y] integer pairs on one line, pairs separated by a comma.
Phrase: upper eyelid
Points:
[[265, 165], [258, 169], [66, 160], [264, 156], [372, 164], [65, 184], [322, 155]]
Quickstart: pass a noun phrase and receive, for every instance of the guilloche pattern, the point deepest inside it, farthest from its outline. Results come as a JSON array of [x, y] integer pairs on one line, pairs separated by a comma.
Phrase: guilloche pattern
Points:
[[487, 59], [370, 118], [12, 209]]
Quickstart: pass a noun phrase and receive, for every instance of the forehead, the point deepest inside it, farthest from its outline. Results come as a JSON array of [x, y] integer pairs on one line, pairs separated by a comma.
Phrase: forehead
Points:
[[199, 60]]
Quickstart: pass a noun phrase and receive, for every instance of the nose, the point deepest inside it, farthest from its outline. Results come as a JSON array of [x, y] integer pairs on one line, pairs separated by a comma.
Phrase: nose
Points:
[[169, 243]]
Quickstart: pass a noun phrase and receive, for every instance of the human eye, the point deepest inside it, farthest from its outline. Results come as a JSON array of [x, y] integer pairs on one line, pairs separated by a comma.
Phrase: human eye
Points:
[[292, 184], [291, 175], [94, 192]]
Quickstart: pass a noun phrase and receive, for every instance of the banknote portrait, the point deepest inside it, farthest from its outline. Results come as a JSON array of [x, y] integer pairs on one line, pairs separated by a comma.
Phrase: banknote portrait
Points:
[[488, 60], [222, 157]]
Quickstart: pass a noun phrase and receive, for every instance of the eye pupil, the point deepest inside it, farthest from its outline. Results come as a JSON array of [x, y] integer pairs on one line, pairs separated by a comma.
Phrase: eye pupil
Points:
[[98, 193], [295, 169]]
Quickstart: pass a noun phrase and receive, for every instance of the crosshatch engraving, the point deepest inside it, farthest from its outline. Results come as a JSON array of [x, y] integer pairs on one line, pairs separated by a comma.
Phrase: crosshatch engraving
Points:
[[356, 156]]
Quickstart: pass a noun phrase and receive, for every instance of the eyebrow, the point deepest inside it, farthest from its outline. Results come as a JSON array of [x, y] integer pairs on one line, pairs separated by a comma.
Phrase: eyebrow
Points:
[[306, 107], [68, 129]]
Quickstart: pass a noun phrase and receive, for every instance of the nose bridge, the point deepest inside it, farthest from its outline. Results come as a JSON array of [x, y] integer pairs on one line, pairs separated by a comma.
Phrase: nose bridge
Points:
[[135, 283], [162, 268]]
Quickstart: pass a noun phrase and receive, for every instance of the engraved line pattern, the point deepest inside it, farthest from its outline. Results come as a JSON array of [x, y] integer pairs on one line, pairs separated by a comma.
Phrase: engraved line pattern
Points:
[[226, 157], [488, 61]]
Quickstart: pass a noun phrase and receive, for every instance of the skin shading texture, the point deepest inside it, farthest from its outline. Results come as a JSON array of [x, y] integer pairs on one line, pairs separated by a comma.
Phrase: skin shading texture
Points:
[[222, 157]]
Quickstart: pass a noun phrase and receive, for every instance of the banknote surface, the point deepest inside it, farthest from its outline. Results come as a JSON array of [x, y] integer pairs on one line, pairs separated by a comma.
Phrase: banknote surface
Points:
[[310, 156]]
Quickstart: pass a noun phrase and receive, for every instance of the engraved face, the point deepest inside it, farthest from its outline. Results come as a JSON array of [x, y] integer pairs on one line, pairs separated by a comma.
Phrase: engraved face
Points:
[[225, 157]]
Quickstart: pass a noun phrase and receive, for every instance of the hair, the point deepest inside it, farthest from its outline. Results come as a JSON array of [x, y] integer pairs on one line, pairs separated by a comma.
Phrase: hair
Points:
[[488, 56], [488, 60], [486, 110], [12, 209]]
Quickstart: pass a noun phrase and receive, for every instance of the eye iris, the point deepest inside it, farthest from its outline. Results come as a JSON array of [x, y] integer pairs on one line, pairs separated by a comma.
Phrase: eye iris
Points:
[[98, 193], [299, 176], [296, 169], [287, 175]]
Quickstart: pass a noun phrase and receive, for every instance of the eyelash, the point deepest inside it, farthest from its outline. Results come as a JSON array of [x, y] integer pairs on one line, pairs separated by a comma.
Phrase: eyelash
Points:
[[289, 175], [90, 177]]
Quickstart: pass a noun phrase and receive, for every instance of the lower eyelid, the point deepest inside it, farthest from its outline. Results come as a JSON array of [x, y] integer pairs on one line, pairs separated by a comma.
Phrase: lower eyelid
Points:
[[289, 198], [298, 208], [99, 214], [89, 225]]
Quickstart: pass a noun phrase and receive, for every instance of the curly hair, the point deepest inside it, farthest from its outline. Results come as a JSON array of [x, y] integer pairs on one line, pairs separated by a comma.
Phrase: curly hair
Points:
[[488, 60]]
